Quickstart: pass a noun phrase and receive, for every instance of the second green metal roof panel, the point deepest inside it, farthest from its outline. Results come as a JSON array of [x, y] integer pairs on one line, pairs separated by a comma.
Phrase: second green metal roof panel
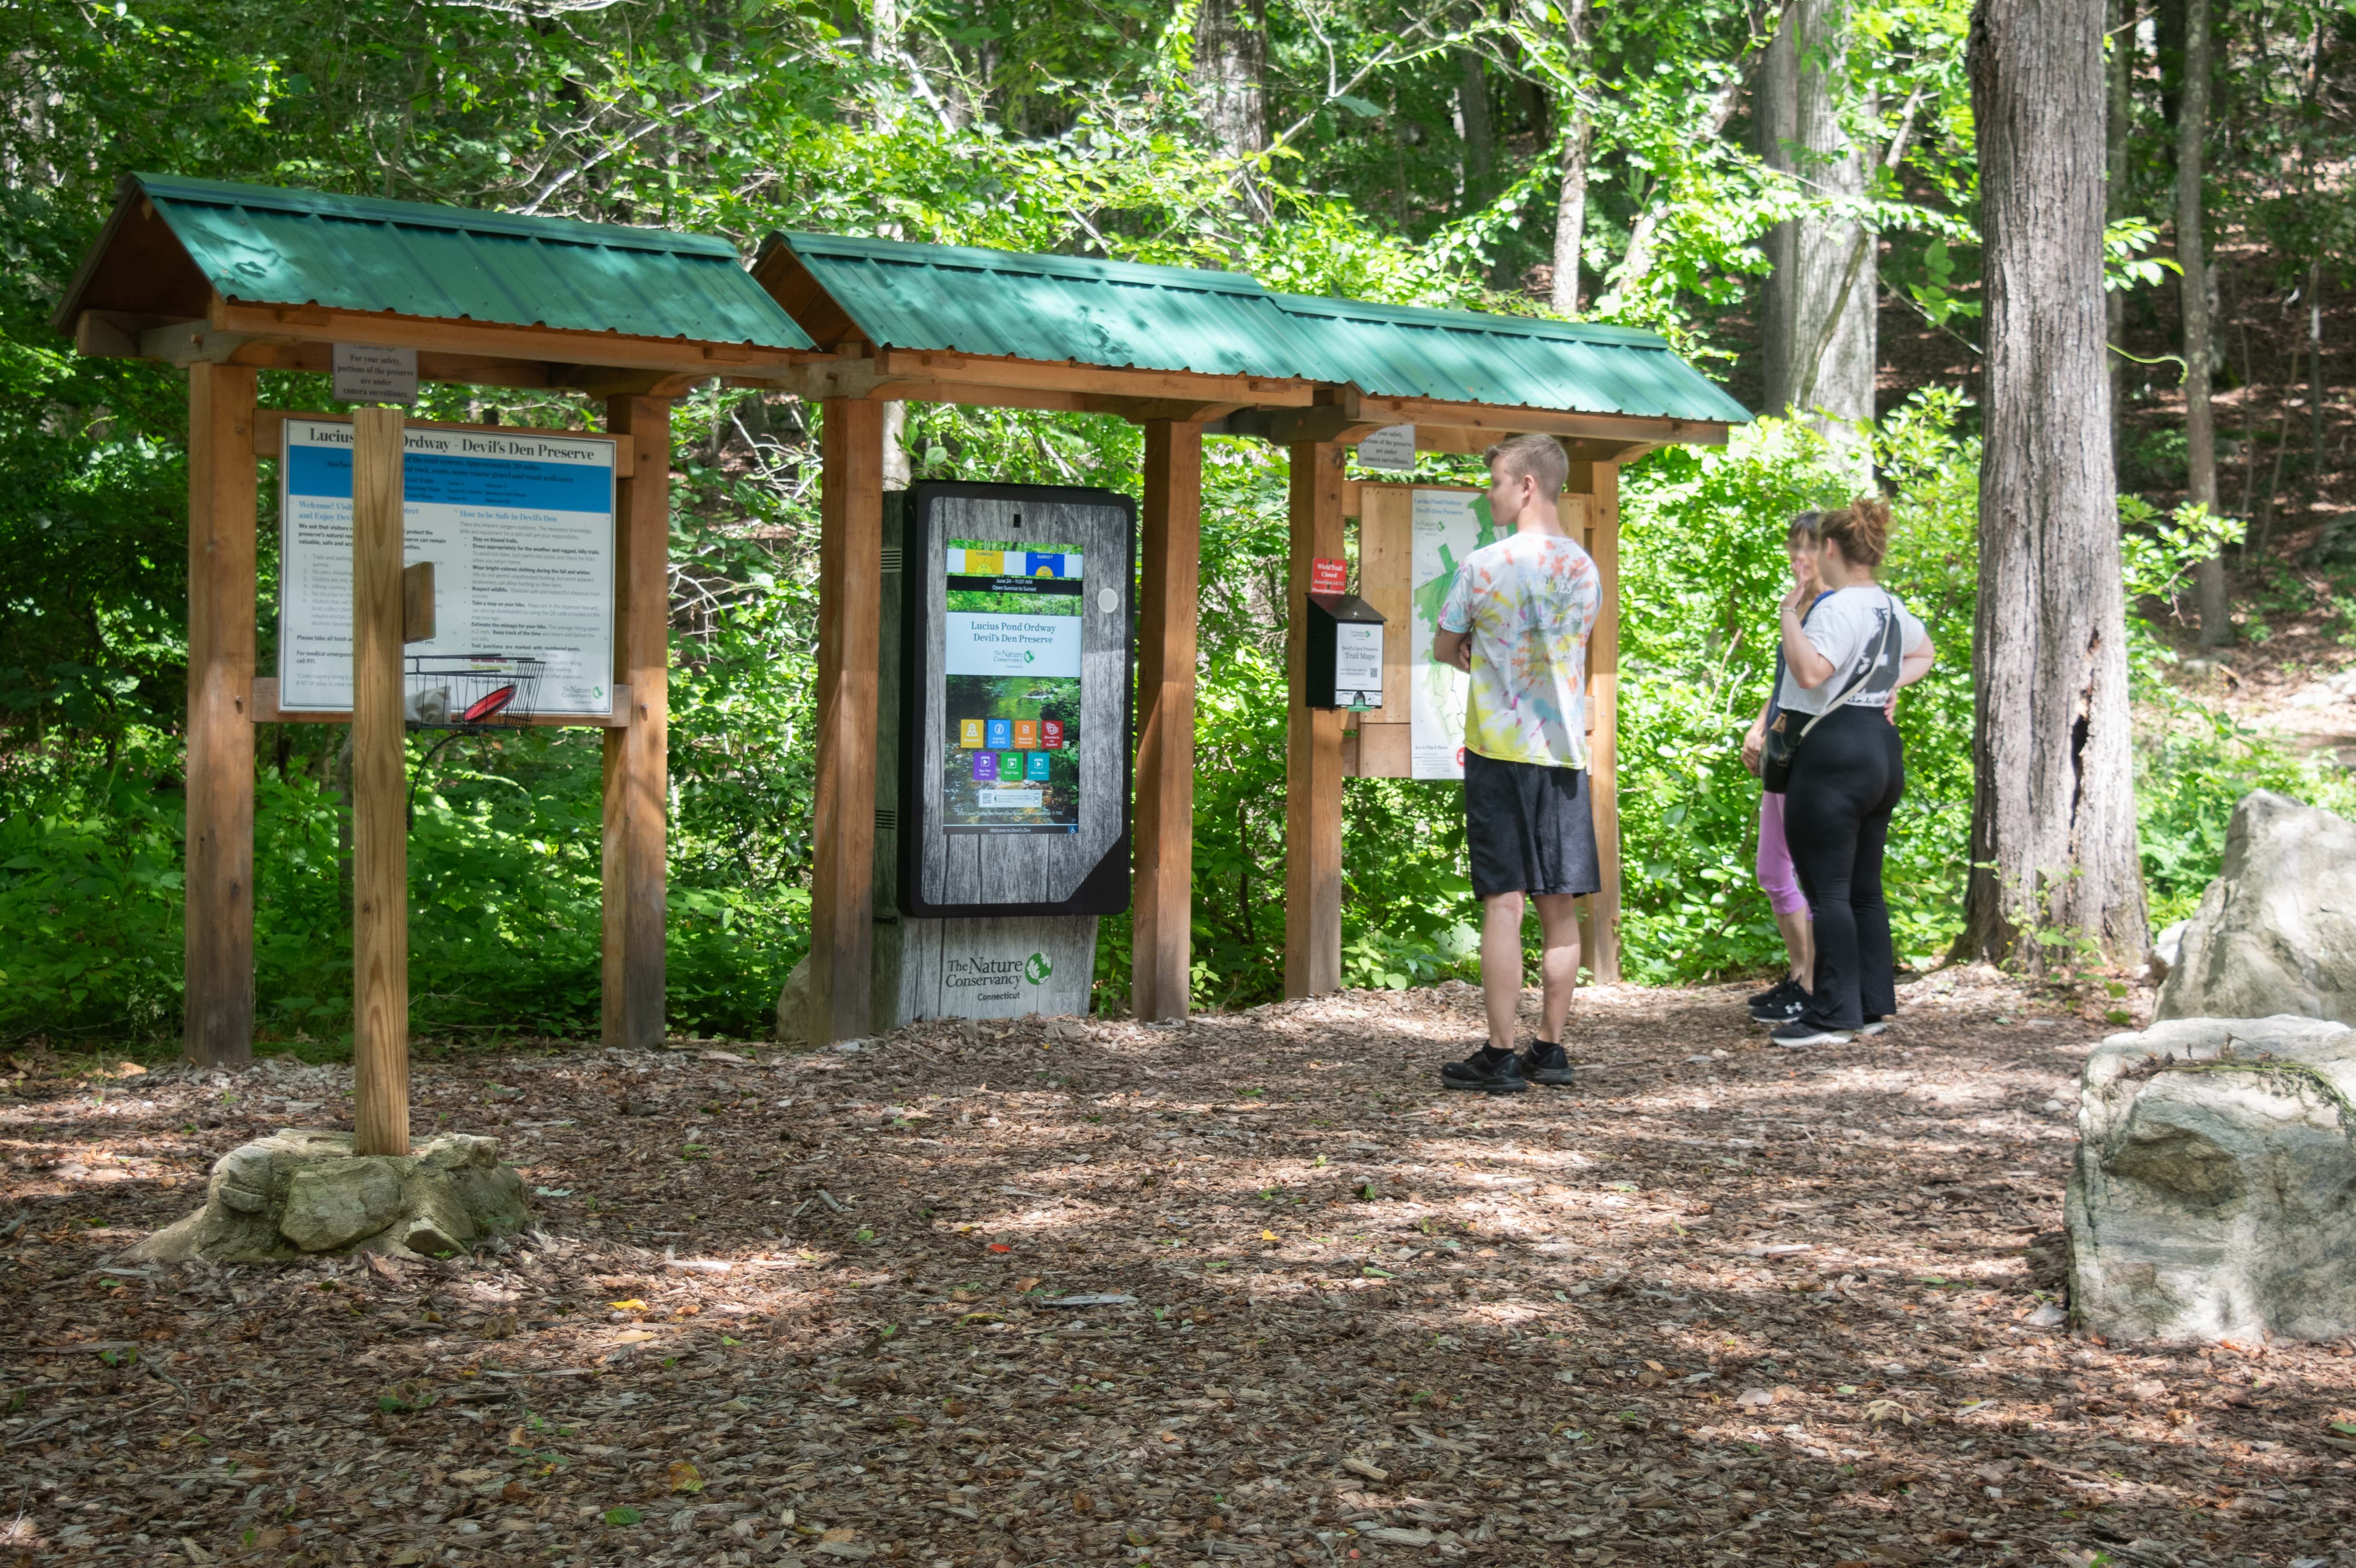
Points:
[[1125, 315]]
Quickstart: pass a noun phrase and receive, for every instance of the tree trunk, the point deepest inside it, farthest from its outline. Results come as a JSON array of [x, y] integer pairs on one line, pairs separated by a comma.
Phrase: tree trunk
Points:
[[2053, 828], [2118, 120], [2192, 288], [1821, 344], [1578, 136], [1473, 123], [1230, 64]]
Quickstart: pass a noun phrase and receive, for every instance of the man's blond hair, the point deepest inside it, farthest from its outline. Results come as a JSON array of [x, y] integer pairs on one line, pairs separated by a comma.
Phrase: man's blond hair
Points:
[[1539, 458]]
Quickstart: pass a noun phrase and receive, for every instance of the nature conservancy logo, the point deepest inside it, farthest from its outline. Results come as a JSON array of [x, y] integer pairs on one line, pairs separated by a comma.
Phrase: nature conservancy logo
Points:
[[1037, 968]]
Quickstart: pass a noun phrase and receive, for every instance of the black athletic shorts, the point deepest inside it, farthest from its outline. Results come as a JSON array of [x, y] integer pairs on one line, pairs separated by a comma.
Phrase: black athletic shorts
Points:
[[1528, 829]]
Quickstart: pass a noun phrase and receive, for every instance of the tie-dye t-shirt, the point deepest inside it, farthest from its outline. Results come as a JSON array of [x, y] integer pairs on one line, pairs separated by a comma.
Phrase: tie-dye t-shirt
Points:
[[1529, 602]]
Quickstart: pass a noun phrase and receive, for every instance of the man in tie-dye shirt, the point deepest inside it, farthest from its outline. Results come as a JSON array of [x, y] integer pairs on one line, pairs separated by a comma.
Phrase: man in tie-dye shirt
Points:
[[1516, 619]]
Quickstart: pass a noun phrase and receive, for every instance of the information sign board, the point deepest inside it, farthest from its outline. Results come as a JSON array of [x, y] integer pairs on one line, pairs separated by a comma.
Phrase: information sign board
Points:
[[1449, 525], [1010, 670], [519, 528]]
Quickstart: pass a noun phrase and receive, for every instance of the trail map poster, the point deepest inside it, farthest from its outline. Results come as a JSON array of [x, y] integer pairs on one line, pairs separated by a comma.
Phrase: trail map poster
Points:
[[1449, 525], [1012, 668], [520, 532]]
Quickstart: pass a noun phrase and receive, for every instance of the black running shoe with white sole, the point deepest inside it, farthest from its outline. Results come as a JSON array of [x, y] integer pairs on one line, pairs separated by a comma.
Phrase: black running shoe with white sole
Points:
[[1544, 1063], [1779, 1006], [1773, 993], [1799, 1034], [1486, 1072]]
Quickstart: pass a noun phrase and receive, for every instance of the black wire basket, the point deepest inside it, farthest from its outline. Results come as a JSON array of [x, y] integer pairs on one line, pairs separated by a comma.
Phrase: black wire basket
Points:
[[469, 692]]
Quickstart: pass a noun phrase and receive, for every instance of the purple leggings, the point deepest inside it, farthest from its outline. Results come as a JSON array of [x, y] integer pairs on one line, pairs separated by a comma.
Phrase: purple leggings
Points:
[[1776, 878]]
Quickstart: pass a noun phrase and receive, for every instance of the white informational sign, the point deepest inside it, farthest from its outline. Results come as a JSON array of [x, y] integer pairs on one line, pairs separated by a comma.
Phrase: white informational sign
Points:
[[1449, 525], [1392, 448], [520, 532], [365, 373], [1012, 644], [1358, 664]]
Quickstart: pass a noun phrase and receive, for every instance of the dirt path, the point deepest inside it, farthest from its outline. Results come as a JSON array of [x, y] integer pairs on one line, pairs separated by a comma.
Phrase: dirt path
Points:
[[1719, 1304]]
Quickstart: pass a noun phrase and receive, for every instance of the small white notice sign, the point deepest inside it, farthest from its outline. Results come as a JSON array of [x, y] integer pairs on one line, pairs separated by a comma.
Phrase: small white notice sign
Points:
[[1393, 448], [366, 374], [1358, 664]]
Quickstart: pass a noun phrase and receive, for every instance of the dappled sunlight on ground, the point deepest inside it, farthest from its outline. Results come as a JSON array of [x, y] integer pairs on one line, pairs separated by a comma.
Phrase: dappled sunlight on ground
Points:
[[1717, 1303]]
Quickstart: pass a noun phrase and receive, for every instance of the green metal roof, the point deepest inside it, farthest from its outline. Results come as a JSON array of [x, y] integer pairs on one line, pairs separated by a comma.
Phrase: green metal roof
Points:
[[1125, 315], [1122, 314], [1507, 361], [264, 245]]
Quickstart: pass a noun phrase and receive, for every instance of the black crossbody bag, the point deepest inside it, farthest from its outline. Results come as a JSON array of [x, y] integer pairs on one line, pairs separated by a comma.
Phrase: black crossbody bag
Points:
[[1782, 745]]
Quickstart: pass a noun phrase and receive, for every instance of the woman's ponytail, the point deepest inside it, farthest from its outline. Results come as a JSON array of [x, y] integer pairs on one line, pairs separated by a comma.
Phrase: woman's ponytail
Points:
[[1862, 528]]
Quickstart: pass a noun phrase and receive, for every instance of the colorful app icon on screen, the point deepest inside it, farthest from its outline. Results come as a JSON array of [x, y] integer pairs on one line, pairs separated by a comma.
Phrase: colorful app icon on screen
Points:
[[1001, 734], [985, 767], [1026, 734], [1051, 734], [1010, 764], [969, 734], [1042, 564], [1037, 769], [984, 562]]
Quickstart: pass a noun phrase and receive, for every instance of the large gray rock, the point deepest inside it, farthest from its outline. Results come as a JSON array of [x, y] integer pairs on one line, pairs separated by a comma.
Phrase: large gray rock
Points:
[[793, 1006], [2218, 1202], [299, 1193], [2275, 931]]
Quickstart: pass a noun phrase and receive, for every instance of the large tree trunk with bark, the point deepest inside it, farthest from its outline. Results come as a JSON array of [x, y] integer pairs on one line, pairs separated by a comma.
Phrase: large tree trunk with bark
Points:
[[2053, 826], [1577, 137], [1820, 341], [2118, 120], [1230, 64], [2192, 289]]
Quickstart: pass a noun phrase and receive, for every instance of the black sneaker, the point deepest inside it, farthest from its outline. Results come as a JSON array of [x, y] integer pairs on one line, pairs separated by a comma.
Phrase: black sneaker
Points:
[[1799, 1034], [1488, 1070], [1781, 1004], [1544, 1063]]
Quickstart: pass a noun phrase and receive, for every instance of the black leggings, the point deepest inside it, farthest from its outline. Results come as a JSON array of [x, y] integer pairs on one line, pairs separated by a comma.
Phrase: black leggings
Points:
[[1845, 778]]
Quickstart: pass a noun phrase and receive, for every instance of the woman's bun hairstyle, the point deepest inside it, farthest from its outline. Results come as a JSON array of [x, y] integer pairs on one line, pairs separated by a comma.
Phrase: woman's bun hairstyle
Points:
[[1862, 528]]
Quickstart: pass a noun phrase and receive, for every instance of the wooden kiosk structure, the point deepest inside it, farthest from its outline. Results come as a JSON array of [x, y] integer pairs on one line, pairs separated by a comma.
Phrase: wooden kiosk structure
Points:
[[1183, 352], [224, 281]]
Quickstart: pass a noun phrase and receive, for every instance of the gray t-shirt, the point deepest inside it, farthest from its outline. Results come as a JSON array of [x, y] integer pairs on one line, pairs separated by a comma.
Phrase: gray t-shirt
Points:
[[1847, 628]]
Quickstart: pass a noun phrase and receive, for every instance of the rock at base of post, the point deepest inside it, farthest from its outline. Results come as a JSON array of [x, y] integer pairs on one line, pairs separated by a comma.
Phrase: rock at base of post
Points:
[[2215, 1191], [299, 1192]]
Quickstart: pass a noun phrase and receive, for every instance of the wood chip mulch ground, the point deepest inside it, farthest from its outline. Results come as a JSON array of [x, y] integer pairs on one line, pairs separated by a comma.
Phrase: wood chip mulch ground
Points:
[[1716, 1304]]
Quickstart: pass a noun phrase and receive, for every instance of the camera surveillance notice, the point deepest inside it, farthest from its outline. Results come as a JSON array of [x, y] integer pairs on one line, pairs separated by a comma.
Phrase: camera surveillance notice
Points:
[[1012, 760], [519, 528]]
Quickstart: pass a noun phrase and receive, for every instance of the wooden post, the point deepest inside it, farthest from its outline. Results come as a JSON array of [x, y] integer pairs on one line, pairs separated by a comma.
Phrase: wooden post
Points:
[[638, 757], [849, 616], [380, 803], [219, 890], [1601, 481], [1312, 772], [1161, 949]]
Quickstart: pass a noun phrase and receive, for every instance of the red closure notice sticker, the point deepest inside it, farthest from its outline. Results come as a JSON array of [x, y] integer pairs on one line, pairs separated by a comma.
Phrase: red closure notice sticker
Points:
[[1329, 576]]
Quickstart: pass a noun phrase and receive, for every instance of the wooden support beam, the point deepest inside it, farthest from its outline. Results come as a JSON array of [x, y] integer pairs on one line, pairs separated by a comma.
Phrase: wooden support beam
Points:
[[1162, 963], [638, 757], [1600, 481], [1313, 774], [380, 800], [219, 884], [483, 340], [850, 597]]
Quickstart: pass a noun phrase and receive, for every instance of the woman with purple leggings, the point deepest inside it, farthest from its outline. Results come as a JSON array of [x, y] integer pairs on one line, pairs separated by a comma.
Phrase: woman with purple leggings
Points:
[[1788, 996]]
